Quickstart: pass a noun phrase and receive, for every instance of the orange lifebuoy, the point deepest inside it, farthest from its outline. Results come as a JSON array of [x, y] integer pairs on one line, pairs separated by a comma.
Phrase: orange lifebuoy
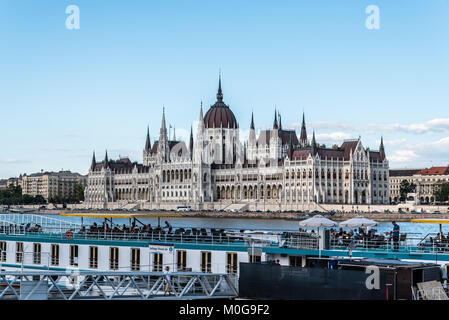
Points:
[[68, 234]]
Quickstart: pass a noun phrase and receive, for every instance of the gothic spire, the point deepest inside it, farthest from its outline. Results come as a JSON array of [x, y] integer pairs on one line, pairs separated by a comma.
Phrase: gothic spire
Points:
[[280, 121], [303, 137], [94, 162], [106, 160], [163, 127], [174, 133], [191, 142], [252, 121], [275, 122], [314, 148], [382, 149], [220, 93], [148, 141], [201, 112]]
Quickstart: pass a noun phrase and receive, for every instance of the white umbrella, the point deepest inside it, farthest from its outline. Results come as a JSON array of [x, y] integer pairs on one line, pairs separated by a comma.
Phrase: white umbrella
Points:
[[358, 221], [317, 221]]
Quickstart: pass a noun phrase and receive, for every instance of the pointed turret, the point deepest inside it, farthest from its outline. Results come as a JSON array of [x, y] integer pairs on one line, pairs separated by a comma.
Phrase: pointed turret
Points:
[[148, 141], [94, 162], [382, 149], [219, 93], [280, 121], [275, 122], [252, 121], [162, 146], [303, 137], [163, 127], [314, 147], [174, 133], [252, 132], [201, 120], [191, 142], [106, 160]]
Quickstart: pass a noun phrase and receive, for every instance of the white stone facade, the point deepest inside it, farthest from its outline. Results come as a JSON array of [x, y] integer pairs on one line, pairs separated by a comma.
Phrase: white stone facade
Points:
[[275, 168]]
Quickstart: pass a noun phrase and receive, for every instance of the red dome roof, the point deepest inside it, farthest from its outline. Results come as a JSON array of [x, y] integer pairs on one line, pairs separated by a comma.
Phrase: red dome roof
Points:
[[219, 115]]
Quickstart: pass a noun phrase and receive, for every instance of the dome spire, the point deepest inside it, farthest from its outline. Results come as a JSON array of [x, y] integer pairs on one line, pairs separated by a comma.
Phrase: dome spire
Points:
[[220, 93]]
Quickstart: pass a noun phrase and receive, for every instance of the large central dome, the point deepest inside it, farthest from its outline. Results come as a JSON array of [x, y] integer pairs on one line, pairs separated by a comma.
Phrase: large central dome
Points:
[[220, 115]]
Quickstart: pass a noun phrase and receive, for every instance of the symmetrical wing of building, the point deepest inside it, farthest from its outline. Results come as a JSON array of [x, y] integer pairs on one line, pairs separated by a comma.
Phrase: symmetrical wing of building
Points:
[[272, 169], [424, 179]]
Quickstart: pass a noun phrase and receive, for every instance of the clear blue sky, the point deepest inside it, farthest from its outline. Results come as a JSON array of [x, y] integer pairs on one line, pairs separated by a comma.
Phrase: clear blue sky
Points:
[[65, 93]]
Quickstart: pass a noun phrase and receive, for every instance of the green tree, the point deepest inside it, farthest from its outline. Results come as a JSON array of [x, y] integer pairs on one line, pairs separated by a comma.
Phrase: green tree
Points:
[[441, 192], [78, 193], [406, 187]]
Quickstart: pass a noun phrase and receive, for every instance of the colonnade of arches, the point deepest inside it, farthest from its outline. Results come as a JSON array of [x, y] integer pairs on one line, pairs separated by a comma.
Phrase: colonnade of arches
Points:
[[248, 192], [177, 175]]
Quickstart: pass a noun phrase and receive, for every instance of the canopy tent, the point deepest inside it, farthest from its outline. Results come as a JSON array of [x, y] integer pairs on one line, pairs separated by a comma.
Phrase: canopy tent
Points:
[[358, 221], [317, 221]]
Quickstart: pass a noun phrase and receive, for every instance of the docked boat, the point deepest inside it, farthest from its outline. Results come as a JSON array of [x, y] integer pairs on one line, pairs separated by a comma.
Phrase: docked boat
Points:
[[37, 242]]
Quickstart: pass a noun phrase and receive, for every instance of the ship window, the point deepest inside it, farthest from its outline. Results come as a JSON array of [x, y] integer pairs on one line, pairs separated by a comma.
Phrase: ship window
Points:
[[74, 255], [2, 251], [157, 262], [135, 259], [93, 257], [295, 261], [19, 252], [54, 254], [206, 261], [231, 262], [181, 261], [37, 253], [113, 258], [254, 255]]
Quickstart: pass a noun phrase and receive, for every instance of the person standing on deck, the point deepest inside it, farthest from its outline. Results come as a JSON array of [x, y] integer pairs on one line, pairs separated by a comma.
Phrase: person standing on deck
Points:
[[395, 236], [167, 280]]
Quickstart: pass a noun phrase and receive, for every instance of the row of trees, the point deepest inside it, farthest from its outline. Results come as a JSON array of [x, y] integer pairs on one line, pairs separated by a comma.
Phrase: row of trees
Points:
[[13, 195], [78, 195], [441, 192]]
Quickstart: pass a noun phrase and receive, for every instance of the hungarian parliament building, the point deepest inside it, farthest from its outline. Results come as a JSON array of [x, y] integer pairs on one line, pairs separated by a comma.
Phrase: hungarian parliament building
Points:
[[274, 169]]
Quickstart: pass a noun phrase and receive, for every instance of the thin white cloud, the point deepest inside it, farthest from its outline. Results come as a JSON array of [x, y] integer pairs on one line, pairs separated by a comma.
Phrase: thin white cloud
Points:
[[394, 142], [14, 161], [402, 156], [334, 136], [437, 125]]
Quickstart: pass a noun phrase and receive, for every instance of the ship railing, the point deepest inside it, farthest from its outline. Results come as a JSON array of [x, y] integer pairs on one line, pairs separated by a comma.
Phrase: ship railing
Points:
[[164, 237], [412, 244], [301, 241], [7, 227], [39, 222]]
